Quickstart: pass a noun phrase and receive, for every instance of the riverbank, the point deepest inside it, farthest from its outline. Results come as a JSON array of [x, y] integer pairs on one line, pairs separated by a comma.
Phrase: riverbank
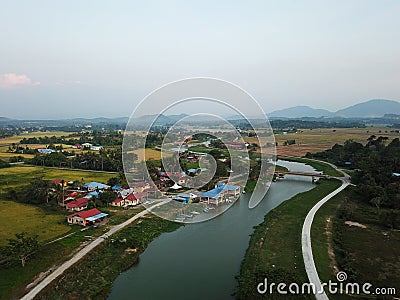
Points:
[[92, 277], [274, 250]]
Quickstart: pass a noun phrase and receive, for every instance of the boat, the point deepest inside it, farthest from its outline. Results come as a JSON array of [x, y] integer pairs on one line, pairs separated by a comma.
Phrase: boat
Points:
[[180, 219], [188, 216], [244, 192], [195, 213], [205, 209]]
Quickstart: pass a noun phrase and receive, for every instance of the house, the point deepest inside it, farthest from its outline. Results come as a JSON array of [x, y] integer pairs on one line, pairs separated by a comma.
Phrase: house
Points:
[[185, 198], [87, 217], [116, 188], [125, 192], [220, 193], [134, 199], [77, 146], [60, 182], [96, 148], [119, 202], [77, 204], [129, 200], [87, 145], [93, 186], [45, 151]]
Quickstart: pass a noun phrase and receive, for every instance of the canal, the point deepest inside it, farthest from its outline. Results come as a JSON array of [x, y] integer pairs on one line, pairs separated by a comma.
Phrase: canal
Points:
[[200, 261]]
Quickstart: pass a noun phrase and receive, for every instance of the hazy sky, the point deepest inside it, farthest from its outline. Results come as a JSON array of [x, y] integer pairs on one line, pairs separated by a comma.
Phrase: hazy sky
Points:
[[61, 59]]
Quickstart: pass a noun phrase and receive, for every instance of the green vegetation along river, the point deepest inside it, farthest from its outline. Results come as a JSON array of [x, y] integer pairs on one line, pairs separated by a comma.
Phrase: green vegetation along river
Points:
[[200, 261]]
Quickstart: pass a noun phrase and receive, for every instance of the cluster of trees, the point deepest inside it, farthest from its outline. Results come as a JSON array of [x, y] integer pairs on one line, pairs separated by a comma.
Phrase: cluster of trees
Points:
[[109, 138], [19, 149], [154, 139], [4, 134], [105, 160], [292, 125], [4, 164], [374, 167], [38, 191], [289, 142], [21, 248]]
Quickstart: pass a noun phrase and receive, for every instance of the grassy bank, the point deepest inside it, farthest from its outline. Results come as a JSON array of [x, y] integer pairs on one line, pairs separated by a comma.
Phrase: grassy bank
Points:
[[367, 251], [319, 166], [92, 278], [251, 185], [274, 250]]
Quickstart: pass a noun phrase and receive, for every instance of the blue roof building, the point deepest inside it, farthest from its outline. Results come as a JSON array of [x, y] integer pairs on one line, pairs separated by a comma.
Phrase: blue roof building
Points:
[[221, 190], [91, 186]]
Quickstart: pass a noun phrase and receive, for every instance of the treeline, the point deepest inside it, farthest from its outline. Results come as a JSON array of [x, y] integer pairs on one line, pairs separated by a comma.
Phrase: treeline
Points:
[[4, 164], [375, 167], [282, 124], [105, 160], [303, 124], [96, 138]]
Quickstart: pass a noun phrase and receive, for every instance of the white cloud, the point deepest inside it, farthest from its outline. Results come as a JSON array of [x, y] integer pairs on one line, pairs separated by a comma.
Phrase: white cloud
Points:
[[10, 80]]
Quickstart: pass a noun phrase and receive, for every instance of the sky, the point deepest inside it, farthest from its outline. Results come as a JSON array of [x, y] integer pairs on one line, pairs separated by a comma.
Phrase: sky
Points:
[[67, 59]]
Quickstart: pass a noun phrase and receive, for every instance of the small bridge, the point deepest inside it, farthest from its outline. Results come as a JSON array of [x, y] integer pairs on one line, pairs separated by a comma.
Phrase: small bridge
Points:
[[313, 175]]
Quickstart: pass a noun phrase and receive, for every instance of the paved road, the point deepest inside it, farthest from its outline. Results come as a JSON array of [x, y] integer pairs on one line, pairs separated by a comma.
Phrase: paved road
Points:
[[306, 237], [81, 254]]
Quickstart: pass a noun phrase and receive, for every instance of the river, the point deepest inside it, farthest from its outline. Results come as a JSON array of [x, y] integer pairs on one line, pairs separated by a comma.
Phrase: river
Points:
[[200, 261]]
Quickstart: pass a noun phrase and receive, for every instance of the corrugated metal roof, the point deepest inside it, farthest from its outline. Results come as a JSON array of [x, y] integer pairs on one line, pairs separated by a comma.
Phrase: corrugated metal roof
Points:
[[96, 185], [214, 193], [95, 217]]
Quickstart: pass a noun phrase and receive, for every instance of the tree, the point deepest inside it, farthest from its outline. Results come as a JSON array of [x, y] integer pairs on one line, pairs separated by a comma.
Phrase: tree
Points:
[[22, 247], [38, 191], [113, 181], [107, 197]]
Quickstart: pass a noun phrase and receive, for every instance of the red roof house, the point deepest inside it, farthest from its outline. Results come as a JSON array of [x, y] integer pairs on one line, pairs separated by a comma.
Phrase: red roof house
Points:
[[78, 204], [86, 217], [118, 202], [60, 182]]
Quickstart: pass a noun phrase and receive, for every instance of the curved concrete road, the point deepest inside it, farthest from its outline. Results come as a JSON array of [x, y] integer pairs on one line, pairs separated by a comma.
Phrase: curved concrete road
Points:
[[306, 237], [81, 254]]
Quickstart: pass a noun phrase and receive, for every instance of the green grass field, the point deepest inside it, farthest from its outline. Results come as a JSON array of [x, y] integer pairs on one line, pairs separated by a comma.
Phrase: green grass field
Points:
[[14, 278], [20, 175], [16, 217]]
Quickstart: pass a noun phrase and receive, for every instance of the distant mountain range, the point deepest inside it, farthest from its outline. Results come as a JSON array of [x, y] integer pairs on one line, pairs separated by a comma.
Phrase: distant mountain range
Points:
[[370, 109], [377, 108]]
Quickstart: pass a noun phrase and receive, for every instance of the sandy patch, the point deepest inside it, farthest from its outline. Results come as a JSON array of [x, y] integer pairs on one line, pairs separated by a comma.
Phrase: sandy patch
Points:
[[356, 224]]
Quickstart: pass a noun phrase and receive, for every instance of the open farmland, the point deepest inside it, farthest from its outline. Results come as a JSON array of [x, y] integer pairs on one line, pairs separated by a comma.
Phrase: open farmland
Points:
[[150, 154], [315, 140], [30, 219], [18, 176], [5, 143]]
